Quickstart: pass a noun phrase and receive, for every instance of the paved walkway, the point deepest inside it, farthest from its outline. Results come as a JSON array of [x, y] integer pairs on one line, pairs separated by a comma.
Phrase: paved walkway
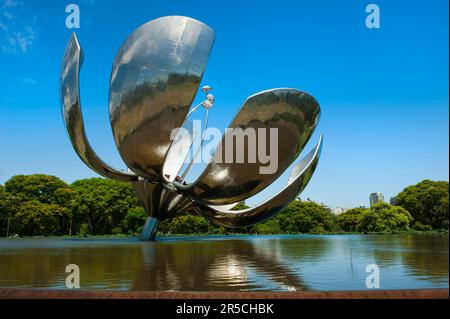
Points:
[[90, 294]]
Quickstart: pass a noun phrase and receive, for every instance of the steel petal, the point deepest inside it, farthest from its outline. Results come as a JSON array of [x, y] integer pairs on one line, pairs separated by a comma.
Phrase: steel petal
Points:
[[293, 113], [154, 80], [73, 117], [234, 219]]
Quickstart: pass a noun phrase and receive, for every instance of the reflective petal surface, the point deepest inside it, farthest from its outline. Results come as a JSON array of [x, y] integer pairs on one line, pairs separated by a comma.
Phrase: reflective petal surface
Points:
[[293, 113], [154, 80], [73, 117], [302, 173], [160, 202]]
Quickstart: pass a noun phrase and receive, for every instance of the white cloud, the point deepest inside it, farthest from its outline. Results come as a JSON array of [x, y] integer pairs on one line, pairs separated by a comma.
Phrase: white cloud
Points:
[[10, 3], [18, 41], [17, 30], [25, 39], [28, 81]]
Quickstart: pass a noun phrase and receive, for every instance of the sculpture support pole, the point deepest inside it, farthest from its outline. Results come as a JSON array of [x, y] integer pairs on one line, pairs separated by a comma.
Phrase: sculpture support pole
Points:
[[150, 229]]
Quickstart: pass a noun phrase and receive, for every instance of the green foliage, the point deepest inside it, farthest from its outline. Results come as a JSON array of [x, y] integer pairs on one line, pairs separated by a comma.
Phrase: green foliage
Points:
[[40, 219], [427, 202], [45, 205], [102, 204], [84, 230], [5, 211], [421, 227], [41, 205], [188, 224], [383, 217], [272, 226], [134, 221], [35, 205], [306, 217], [350, 220], [43, 188]]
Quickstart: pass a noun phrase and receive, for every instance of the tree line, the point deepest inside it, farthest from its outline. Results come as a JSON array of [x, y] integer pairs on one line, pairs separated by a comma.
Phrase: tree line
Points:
[[42, 205]]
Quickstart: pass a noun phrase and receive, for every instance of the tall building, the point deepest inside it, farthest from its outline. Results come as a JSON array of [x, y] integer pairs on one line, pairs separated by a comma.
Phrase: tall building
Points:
[[338, 210], [393, 201], [376, 198]]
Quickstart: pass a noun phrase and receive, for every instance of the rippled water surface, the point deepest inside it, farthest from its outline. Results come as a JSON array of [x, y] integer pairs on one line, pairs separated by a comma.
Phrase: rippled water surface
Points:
[[228, 263]]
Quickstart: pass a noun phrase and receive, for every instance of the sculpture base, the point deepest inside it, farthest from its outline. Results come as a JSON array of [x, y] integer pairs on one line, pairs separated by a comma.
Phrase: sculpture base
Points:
[[150, 229]]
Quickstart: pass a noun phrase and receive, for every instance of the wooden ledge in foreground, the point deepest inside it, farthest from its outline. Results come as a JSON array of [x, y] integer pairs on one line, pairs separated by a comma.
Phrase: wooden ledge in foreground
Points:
[[18, 293]]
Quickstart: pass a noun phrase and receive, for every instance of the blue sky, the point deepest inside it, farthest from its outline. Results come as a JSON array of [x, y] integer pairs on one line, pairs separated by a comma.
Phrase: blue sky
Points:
[[383, 92]]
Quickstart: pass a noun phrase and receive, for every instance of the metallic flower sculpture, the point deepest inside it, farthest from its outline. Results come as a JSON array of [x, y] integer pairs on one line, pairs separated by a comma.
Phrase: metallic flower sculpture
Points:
[[154, 80]]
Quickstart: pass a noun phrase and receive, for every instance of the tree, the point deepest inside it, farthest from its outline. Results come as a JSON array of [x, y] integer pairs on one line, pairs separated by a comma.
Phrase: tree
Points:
[[134, 221], [350, 220], [421, 227], [38, 205], [43, 188], [5, 212], [188, 224], [102, 204], [427, 202], [272, 226], [306, 217], [383, 217], [41, 219]]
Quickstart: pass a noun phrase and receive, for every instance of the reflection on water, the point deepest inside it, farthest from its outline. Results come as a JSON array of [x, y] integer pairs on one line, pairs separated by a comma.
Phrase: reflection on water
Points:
[[228, 263]]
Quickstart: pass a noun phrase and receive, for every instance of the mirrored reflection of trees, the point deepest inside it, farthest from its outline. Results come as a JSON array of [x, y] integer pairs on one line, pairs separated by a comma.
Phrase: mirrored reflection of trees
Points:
[[101, 266], [253, 263], [214, 265], [197, 266], [384, 250], [426, 257], [422, 257]]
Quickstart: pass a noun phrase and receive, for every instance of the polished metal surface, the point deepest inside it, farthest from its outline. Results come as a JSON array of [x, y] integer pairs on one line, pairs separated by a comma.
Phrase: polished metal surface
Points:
[[161, 202], [154, 80], [178, 151], [293, 113], [155, 77], [303, 172], [73, 117]]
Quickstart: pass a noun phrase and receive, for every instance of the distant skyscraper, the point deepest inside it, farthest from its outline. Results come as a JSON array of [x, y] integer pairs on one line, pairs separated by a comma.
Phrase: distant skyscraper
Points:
[[376, 198], [338, 210], [393, 201]]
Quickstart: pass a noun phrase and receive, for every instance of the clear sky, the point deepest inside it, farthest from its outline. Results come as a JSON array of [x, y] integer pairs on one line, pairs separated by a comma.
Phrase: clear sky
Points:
[[383, 92]]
